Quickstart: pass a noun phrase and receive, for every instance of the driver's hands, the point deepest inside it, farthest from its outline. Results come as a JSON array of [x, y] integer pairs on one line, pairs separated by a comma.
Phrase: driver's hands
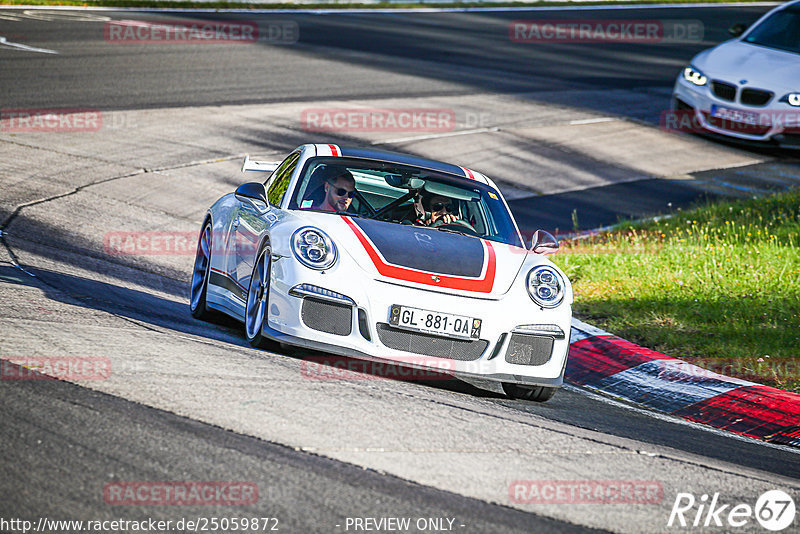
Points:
[[445, 218]]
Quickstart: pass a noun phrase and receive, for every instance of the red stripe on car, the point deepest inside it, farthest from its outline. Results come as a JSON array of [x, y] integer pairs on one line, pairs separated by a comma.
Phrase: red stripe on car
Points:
[[468, 173], [479, 285], [335, 150]]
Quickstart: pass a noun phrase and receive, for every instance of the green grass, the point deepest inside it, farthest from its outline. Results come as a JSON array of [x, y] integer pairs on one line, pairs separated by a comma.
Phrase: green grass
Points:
[[718, 285], [217, 4]]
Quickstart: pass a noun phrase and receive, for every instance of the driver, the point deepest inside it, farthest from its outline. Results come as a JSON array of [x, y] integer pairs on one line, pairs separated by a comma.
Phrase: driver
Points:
[[441, 209], [339, 188]]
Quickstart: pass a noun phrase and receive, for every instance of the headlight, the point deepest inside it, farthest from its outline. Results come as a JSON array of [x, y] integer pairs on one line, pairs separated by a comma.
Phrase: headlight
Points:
[[692, 75], [545, 286], [314, 248], [793, 99]]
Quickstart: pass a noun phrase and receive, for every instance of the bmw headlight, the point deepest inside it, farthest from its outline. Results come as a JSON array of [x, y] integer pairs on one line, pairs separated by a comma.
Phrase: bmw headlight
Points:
[[314, 248], [545, 286], [793, 99], [692, 75]]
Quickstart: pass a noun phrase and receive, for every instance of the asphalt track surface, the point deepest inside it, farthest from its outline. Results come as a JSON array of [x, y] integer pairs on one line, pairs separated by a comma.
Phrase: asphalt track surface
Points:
[[172, 419]]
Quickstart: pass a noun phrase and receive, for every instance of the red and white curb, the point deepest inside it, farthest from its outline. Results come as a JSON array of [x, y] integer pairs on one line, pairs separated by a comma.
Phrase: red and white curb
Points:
[[605, 363]]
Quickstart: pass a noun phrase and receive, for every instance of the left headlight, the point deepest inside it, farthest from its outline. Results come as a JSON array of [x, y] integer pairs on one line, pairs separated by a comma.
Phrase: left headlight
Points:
[[545, 286], [692, 75], [314, 248]]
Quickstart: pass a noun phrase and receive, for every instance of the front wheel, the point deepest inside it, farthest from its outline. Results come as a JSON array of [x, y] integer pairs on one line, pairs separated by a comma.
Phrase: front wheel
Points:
[[258, 297], [202, 268], [531, 393]]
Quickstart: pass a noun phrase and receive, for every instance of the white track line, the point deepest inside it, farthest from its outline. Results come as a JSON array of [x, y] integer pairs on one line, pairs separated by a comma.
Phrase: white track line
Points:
[[435, 136], [9, 44], [593, 121]]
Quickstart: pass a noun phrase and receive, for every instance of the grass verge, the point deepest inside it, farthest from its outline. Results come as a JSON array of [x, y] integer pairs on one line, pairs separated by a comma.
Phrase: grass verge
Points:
[[718, 286], [335, 4]]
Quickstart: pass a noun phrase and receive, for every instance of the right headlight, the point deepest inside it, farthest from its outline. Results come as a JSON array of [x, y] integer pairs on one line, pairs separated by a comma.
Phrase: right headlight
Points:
[[545, 286], [314, 248], [793, 99], [694, 76]]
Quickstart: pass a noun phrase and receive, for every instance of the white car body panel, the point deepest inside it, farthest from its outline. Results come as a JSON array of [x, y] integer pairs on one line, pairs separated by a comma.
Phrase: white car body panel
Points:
[[498, 295]]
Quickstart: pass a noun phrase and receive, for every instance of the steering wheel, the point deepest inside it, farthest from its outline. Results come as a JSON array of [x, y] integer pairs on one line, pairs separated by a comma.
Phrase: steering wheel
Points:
[[458, 225]]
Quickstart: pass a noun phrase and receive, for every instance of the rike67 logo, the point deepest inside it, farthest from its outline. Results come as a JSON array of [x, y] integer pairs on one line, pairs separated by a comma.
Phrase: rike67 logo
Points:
[[774, 510]]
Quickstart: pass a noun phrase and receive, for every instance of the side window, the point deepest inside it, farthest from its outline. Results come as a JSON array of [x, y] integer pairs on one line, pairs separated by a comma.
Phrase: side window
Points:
[[279, 182]]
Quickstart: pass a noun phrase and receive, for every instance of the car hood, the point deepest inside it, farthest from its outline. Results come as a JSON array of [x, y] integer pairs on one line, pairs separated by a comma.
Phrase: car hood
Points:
[[418, 256], [763, 68]]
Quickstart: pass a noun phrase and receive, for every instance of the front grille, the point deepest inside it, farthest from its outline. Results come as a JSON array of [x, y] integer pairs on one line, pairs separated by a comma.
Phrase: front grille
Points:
[[755, 97], [327, 316], [525, 349], [430, 345], [723, 90]]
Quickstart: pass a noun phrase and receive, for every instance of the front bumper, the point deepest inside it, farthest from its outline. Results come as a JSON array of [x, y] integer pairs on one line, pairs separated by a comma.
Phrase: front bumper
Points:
[[778, 123], [366, 304]]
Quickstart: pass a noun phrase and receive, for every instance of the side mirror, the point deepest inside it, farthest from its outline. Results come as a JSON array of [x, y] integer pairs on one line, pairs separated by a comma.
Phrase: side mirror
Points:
[[543, 243], [253, 193], [737, 29]]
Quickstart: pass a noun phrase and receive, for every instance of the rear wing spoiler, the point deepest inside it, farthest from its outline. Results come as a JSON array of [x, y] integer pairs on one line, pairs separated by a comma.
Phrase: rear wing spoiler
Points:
[[263, 166]]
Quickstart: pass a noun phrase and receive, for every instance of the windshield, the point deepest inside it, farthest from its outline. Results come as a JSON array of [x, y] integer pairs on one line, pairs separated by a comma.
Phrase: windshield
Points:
[[403, 194], [781, 30]]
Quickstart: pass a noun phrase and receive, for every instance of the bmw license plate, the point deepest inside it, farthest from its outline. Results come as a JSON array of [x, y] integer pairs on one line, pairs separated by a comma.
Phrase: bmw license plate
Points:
[[734, 115], [444, 324]]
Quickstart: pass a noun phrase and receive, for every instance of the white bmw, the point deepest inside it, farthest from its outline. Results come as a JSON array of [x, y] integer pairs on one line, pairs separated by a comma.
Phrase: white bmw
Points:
[[748, 88], [384, 256]]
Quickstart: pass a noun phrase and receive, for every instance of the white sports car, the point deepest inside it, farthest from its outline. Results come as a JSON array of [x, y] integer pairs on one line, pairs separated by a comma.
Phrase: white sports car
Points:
[[748, 88], [383, 256]]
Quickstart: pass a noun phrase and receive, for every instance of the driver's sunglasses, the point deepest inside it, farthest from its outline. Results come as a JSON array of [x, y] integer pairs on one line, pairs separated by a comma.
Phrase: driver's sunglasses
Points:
[[439, 206], [341, 191]]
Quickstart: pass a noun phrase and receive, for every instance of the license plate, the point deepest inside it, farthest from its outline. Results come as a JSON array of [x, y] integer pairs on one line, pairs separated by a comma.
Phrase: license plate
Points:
[[735, 115], [444, 324]]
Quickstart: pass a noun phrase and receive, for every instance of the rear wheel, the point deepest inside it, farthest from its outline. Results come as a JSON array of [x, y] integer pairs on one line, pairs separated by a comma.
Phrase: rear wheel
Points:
[[202, 268], [258, 297], [531, 393]]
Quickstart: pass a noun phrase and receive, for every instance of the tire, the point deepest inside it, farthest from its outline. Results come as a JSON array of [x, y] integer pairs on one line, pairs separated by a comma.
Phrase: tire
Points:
[[530, 393], [200, 274], [255, 308]]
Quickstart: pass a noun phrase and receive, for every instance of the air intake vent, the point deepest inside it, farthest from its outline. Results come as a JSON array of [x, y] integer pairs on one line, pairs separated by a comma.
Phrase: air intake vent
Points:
[[755, 97], [723, 90], [429, 345], [524, 349], [327, 316]]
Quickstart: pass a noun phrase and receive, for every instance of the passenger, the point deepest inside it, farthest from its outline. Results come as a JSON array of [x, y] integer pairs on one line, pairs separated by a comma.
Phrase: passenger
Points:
[[441, 208]]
